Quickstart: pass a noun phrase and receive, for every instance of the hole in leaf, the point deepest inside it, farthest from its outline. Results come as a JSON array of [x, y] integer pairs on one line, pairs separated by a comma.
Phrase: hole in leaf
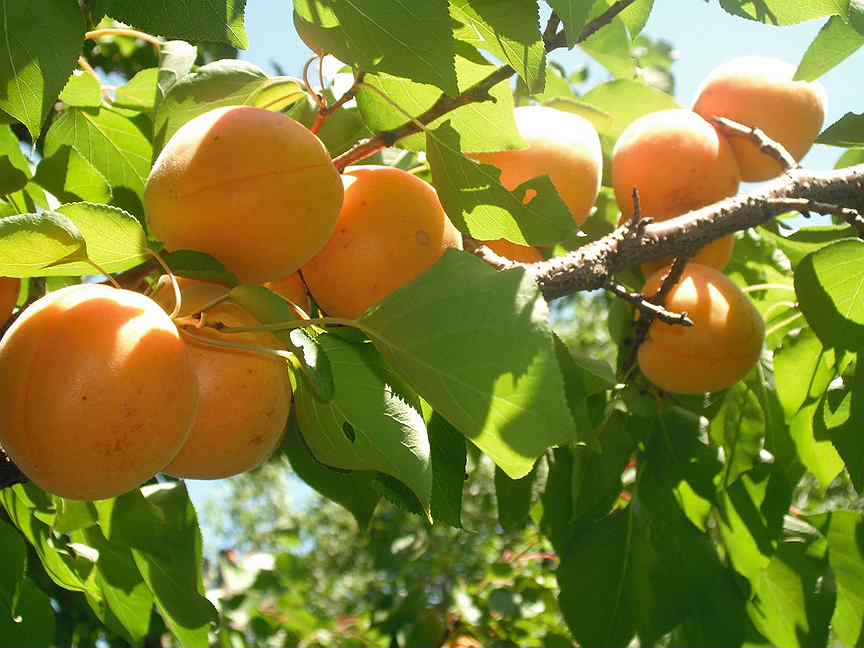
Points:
[[348, 430]]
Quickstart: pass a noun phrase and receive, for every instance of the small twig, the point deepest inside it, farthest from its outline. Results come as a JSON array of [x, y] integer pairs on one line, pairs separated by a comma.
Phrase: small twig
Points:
[[637, 209], [643, 324], [851, 216], [488, 255], [648, 307], [84, 64], [767, 145], [96, 34], [593, 26], [551, 28], [348, 96]]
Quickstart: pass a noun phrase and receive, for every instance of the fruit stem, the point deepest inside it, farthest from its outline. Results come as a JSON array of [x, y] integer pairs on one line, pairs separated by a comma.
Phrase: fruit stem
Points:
[[234, 346], [96, 34], [781, 325], [779, 306], [294, 324], [768, 286], [178, 296], [107, 275]]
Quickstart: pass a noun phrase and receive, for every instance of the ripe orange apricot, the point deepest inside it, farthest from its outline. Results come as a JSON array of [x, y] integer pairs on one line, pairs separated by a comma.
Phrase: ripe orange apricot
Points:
[[514, 251], [243, 401], [679, 163], [760, 93], [292, 289], [9, 289], [391, 230], [562, 145], [253, 188], [97, 392], [243, 397], [721, 347]]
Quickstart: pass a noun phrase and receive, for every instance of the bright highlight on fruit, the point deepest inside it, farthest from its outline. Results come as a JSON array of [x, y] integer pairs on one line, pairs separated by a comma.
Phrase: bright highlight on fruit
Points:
[[721, 347], [391, 230], [760, 93], [561, 145], [253, 188], [679, 163], [97, 392]]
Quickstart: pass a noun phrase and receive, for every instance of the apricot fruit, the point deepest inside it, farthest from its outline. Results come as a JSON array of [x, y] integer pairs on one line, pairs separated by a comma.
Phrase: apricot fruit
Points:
[[293, 289], [514, 251], [391, 230], [561, 145], [97, 392], [721, 347], [244, 397], [679, 163], [253, 188], [9, 289], [761, 93]]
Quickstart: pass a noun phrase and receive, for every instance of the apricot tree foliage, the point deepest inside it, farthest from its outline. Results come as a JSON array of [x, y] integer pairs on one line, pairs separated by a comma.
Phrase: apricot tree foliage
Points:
[[692, 520]]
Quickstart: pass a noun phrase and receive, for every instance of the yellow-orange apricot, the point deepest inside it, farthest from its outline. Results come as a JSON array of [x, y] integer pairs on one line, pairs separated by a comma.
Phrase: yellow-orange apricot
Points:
[[561, 145], [9, 289], [244, 397], [243, 400], [679, 163], [97, 392], [760, 93], [253, 188], [514, 251], [293, 289], [721, 347], [391, 230]]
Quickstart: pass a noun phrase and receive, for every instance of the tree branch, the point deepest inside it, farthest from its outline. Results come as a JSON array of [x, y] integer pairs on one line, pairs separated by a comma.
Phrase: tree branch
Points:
[[766, 145], [649, 309], [591, 267], [478, 92]]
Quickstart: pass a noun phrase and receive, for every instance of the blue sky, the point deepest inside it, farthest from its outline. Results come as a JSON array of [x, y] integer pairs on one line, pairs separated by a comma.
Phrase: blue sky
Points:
[[703, 34]]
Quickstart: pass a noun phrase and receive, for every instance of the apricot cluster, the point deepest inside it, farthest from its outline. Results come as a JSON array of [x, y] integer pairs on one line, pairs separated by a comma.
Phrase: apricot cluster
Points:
[[681, 160]]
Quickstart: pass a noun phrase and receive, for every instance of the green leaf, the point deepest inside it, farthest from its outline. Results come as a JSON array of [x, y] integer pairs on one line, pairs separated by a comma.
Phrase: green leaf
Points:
[[483, 125], [846, 557], [835, 42], [480, 206], [486, 362], [35, 67], [739, 428], [803, 369], [70, 177], [219, 84], [140, 92], [381, 36], [73, 515], [830, 288], [636, 16], [126, 594], [159, 525], [352, 490], [611, 46], [844, 428], [14, 553], [626, 101], [846, 132], [508, 31], [83, 91], [850, 157], [112, 144], [176, 60], [783, 12], [217, 21], [807, 240], [514, 499], [382, 430], [789, 607], [449, 455], [201, 266], [29, 243], [269, 308], [115, 240], [36, 626], [574, 14]]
